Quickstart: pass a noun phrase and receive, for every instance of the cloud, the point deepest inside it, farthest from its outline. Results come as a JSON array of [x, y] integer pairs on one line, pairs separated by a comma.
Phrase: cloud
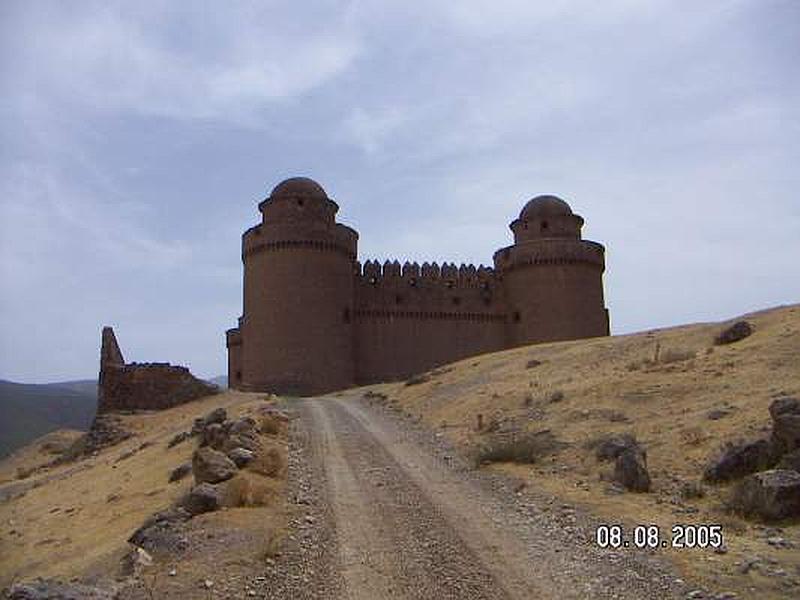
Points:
[[180, 63]]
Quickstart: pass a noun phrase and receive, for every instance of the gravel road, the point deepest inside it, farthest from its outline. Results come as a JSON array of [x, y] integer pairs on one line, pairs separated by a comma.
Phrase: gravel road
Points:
[[386, 511]]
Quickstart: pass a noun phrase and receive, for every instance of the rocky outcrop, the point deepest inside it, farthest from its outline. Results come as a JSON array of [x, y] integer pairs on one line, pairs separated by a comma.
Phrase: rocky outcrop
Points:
[[770, 495], [147, 386], [609, 447], [740, 459]]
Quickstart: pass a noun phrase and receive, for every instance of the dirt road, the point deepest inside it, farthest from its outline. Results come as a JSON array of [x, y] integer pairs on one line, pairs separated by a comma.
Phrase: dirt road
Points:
[[387, 513]]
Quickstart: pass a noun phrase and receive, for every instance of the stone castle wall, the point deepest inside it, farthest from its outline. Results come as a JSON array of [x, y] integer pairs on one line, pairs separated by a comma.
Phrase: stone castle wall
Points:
[[316, 320]]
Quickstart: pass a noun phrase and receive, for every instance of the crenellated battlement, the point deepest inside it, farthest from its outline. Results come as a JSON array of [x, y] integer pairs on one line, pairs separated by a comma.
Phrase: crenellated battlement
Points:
[[448, 275]]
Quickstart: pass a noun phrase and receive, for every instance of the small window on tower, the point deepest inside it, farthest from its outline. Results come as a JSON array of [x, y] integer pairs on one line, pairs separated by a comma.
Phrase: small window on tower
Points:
[[299, 202], [346, 315], [545, 225], [238, 375], [398, 299], [456, 300], [516, 317]]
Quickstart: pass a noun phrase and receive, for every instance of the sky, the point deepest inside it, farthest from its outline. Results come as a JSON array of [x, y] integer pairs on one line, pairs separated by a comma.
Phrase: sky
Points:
[[137, 138]]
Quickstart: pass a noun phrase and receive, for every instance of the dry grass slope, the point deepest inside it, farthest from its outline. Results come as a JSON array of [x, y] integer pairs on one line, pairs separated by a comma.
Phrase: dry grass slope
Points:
[[678, 392]]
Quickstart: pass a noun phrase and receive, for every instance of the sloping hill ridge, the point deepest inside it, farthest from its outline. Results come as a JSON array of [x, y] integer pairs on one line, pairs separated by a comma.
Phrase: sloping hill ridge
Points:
[[28, 411], [680, 394]]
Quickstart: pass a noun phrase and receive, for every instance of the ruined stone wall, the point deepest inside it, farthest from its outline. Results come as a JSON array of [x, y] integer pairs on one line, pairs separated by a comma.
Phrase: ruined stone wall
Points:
[[147, 386]]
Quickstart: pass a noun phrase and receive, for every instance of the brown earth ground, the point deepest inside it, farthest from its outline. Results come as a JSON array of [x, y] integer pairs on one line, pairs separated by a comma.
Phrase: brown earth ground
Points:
[[660, 385], [73, 520]]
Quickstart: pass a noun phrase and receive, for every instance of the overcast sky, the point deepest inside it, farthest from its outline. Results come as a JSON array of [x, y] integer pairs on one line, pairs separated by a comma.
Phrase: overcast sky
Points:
[[138, 137]]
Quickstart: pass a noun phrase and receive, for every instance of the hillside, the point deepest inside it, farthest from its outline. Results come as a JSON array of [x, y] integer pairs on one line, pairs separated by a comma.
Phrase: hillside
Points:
[[682, 397], [28, 411]]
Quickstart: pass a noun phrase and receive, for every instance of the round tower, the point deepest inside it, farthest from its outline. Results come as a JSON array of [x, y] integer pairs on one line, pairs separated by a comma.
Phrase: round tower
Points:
[[553, 279], [295, 335]]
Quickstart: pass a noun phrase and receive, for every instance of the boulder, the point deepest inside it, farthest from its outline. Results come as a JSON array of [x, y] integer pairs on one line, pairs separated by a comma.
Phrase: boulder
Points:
[[212, 466], [630, 470], [161, 533], [180, 472], [56, 590], [740, 459], [790, 461], [771, 495], [241, 456], [202, 499], [736, 332], [611, 446], [785, 413]]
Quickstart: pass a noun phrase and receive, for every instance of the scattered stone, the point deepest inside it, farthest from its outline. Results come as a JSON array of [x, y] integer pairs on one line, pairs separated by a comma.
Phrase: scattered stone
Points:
[[533, 363], [248, 442], [241, 456], [736, 332], [173, 572], [208, 584], [180, 472], [56, 590], [609, 447], [202, 499], [212, 466], [740, 459], [779, 542], [245, 425], [179, 439], [771, 495], [630, 470]]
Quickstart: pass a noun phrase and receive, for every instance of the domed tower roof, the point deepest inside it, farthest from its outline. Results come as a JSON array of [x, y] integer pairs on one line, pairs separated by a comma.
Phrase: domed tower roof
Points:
[[298, 187], [299, 199], [546, 217], [545, 205]]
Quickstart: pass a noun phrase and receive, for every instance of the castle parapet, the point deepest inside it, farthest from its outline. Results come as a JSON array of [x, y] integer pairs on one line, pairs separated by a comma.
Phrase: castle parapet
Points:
[[549, 252]]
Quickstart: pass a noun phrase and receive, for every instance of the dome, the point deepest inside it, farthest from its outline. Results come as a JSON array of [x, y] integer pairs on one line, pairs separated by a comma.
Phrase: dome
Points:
[[545, 206], [298, 187]]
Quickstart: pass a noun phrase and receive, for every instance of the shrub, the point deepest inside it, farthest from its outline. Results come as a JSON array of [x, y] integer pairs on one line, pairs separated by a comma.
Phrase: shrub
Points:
[[269, 463], [242, 490], [523, 447], [736, 332], [533, 363], [270, 424], [556, 396]]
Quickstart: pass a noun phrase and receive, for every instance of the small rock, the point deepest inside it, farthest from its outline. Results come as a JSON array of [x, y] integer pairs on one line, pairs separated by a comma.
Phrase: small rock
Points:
[[785, 413], [55, 590], [180, 472], [790, 461], [179, 438], [717, 414], [173, 572]]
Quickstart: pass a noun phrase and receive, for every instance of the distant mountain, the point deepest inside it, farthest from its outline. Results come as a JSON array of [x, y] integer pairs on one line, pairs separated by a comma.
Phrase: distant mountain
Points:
[[220, 380], [28, 411]]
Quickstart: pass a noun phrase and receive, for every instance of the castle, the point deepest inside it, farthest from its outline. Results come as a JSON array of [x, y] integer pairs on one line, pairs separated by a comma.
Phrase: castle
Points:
[[316, 320]]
